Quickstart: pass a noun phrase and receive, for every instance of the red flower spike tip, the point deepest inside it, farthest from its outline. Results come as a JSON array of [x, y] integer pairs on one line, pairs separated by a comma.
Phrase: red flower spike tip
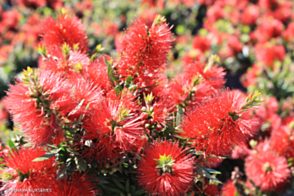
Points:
[[216, 126], [66, 29], [165, 169], [145, 48]]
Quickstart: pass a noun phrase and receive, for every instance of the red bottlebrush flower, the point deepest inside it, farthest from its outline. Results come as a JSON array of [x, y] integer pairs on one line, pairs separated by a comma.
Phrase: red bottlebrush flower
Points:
[[250, 15], [199, 81], [283, 12], [234, 43], [282, 141], [287, 120], [67, 64], [145, 49], [32, 114], [211, 189], [155, 3], [207, 188], [65, 30], [97, 74], [32, 3], [148, 17], [26, 176], [252, 73], [214, 13], [240, 152], [206, 2], [234, 17], [10, 19], [117, 127], [229, 189], [161, 111], [289, 33], [80, 99], [165, 169], [219, 126], [55, 3], [268, 55], [214, 75], [272, 105], [268, 4], [271, 28], [267, 170], [192, 56], [77, 185], [181, 88], [202, 43]]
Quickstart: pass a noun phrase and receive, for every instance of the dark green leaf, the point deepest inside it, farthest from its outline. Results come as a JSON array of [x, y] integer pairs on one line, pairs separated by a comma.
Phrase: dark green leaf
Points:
[[118, 184], [139, 192], [207, 174], [179, 116], [110, 72], [44, 157], [82, 164], [128, 186]]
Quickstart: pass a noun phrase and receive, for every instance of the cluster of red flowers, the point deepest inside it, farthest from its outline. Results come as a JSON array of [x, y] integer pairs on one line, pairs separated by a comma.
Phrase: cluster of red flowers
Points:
[[99, 115]]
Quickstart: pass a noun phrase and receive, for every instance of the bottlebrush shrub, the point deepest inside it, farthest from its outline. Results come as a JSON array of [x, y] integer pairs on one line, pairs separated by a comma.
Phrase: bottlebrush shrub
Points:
[[98, 125]]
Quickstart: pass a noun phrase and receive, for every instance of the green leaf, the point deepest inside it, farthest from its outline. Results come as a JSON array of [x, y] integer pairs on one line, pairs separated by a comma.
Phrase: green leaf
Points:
[[82, 165], [61, 173], [110, 189], [129, 80], [27, 145], [179, 116], [117, 91], [139, 192], [77, 108], [212, 171], [44, 157], [11, 143], [118, 184], [207, 174], [128, 186], [110, 72]]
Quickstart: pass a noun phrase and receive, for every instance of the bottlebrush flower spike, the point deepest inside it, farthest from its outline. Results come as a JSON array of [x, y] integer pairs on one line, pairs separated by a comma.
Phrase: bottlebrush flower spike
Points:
[[282, 141], [25, 175], [66, 29], [165, 169], [158, 109], [80, 99], [217, 125], [66, 61], [29, 103], [145, 48], [198, 82], [210, 72], [117, 127], [77, 185], [268, 171], [97, 73]]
